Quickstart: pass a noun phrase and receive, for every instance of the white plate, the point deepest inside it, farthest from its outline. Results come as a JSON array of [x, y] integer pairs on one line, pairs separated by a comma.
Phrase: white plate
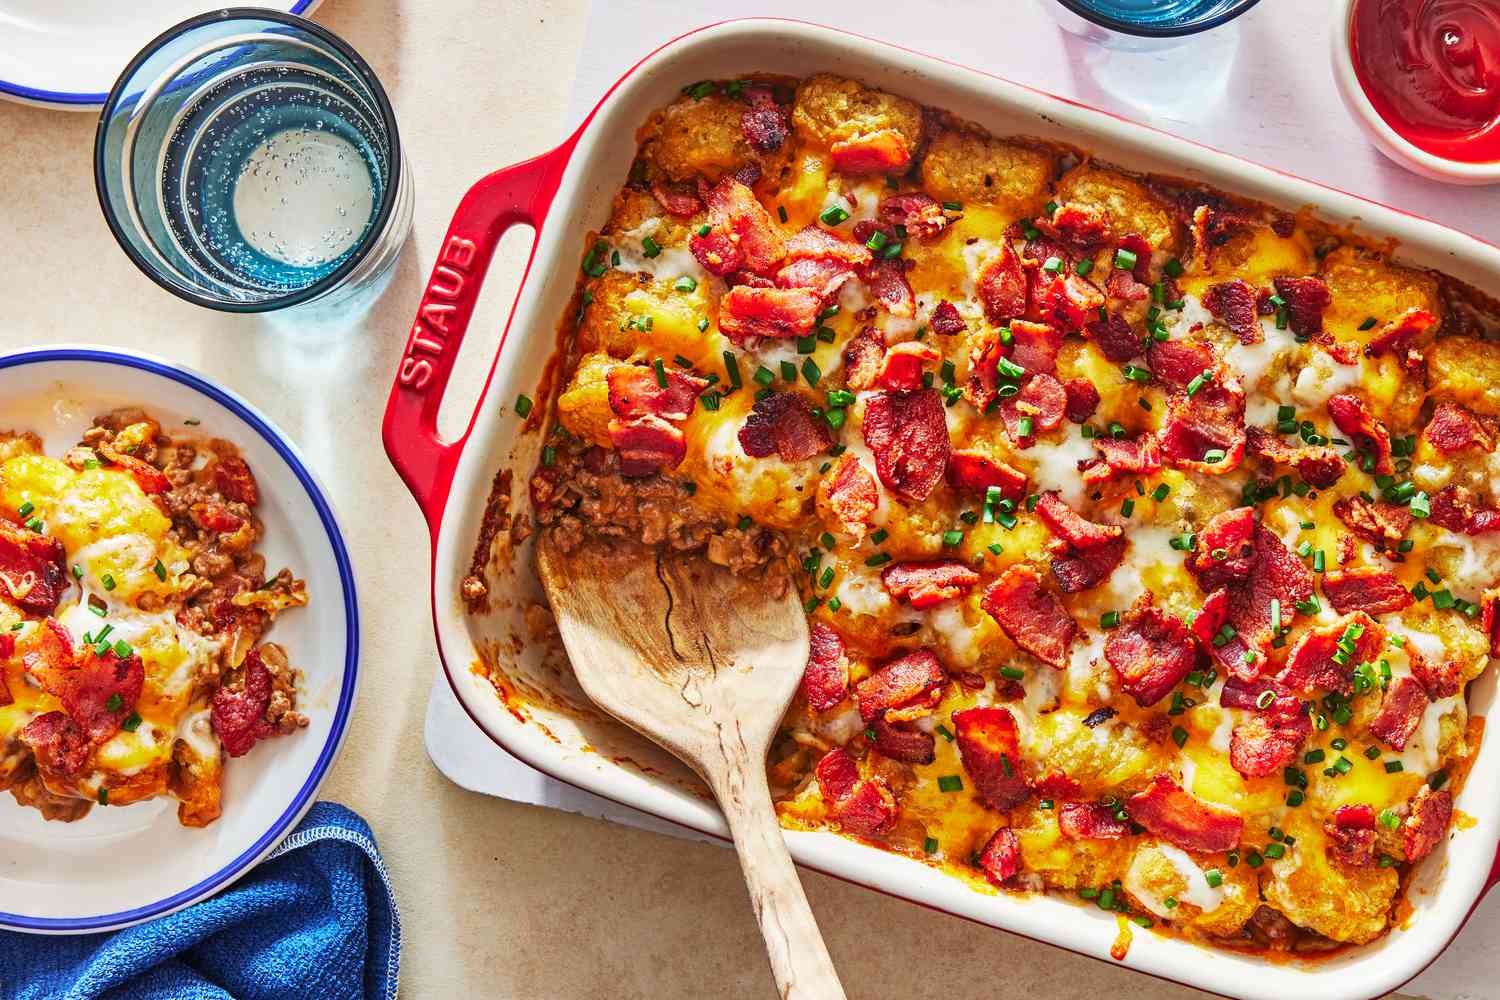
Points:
[[67, 53], [121, 866]]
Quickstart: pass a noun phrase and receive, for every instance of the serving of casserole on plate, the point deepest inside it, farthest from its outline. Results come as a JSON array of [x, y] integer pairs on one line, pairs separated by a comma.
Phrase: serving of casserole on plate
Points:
[[133, 606], [1142, 513]]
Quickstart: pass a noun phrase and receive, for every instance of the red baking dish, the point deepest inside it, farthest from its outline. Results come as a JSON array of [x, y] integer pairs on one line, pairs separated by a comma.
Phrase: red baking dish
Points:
[[566, 192]]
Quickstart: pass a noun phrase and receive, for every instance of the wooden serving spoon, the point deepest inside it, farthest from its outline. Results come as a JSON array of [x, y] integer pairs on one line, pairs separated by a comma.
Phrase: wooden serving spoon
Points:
[[704, 663]]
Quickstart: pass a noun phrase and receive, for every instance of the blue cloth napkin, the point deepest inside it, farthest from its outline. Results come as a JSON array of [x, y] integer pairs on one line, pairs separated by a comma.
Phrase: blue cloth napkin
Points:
[[315, 921]]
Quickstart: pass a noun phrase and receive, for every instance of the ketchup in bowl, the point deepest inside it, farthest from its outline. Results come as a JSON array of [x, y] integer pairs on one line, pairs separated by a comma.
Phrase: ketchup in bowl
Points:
[[1431, 68]]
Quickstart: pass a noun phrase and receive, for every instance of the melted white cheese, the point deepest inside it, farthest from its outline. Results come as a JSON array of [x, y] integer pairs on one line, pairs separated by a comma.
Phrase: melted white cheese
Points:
[[1057, 466], [1323, 377], [1198, 892], [668, 265]]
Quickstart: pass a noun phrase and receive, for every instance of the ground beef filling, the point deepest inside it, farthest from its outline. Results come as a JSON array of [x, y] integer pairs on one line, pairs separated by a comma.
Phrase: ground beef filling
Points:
[[582, 493]]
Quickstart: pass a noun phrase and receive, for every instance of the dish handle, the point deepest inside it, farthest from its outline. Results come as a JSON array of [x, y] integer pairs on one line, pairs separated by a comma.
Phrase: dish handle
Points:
[[516, 195]]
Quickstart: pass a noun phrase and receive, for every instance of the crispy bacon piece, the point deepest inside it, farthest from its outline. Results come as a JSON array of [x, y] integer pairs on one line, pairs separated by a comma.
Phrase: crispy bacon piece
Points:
[[1082, 399], [901, 367], [31, 568], [1233, 303], [1351, 834], [946, 321], [1453, 429], [1490, 620], [849, 492], [152, 480], [1001, 284], [825, 681], [1400, 711], [817, 243], [1454, 508], [920, 213], [908, 435], [1041, 401], [1275, 573], [1034, 346], [928, 583], [746, 312], [1306, 298], [991, 752], [887, 284], [733, 210], [1212, 420], [677, 199], [1001, 858], [1071, 526], [983, 384], [1179, 818], [1265, 743], [1175, 363], [215, 517], [973, 471], [765, 124], [783, 422], [1311, 666], [97, 692], [1426, 824], [1122, 285], [1077, 570], [1150, 651], [232, 478], [1140, 456], [1033, 618], [863, 355], [1353, 417], [862, 806], [1373, 591], [58, 744], [1065, 299], [1440, 679], [1090, 821], [1319, 466], [917, 676], [635, 392], [1380, 523], [1084, 226], [646, 445], [1210, 618], [1114, 337], [823, 276], [911, 746], [1057, 784], [1398, 334], [880, 152], [1141, 247], [1226, 549], [239, 716], [717, 252]]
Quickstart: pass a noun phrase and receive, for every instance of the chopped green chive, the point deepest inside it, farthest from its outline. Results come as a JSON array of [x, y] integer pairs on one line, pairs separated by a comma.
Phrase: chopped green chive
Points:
[[523, 406], [833, 215], [950, 783]]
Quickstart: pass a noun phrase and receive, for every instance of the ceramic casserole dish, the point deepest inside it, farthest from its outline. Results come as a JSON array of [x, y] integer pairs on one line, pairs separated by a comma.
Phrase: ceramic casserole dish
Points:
[[536, 711]]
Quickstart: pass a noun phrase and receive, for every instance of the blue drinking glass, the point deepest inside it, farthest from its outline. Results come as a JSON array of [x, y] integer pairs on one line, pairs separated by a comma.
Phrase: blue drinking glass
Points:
[[1157, 18], [249, 160]]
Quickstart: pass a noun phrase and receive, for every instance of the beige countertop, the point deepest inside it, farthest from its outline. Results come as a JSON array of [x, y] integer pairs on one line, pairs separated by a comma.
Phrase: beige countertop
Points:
[[497, 899]]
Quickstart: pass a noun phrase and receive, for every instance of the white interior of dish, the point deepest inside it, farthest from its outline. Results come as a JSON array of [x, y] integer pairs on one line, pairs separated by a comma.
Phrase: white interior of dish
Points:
[[119, 859], [582, 753]]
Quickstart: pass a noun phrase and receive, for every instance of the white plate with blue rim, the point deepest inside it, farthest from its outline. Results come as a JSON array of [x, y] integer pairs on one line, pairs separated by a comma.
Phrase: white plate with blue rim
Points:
[[67, 53], [121, 866]]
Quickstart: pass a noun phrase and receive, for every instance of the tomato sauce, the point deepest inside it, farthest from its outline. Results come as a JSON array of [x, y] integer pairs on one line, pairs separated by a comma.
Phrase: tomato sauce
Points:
[[1432, 70]]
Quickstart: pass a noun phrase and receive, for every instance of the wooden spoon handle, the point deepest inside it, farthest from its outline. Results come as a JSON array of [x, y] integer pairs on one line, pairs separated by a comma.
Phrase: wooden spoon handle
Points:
[[799, 960]]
